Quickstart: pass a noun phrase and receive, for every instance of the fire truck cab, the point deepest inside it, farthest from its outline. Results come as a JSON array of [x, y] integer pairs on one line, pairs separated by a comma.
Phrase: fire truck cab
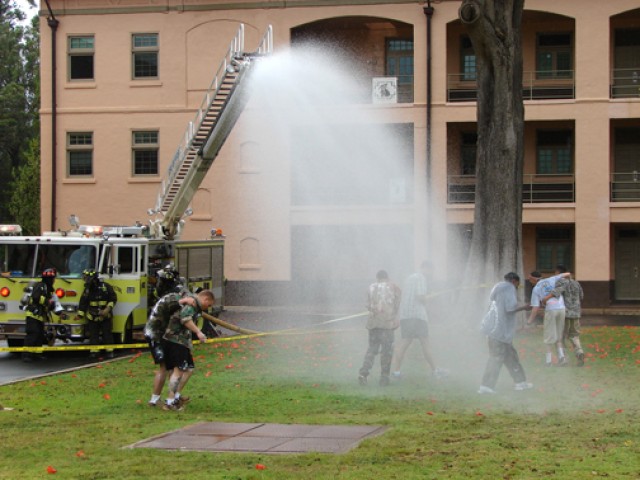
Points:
[[122, 256]]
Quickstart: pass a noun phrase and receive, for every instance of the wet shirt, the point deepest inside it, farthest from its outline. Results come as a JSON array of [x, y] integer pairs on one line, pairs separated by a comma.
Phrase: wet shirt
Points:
[[176, 331], [572, 293], [544, 288], [410, 305], [159, 317], [505, 295], [383, 304]]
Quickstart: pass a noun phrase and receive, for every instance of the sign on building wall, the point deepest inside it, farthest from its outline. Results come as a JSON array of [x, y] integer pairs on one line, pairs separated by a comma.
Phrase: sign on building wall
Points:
[[384, 90]]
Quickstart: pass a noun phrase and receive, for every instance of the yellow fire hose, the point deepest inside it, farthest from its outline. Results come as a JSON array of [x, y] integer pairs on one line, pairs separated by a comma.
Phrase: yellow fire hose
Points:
[[229, 326]]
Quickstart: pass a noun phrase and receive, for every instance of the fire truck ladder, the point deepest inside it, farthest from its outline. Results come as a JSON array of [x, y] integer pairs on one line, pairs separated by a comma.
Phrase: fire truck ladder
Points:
[[222, 105]]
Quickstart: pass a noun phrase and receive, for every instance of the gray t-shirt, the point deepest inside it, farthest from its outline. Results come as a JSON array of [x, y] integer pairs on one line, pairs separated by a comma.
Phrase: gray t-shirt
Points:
[[410, 304], [506, 298]]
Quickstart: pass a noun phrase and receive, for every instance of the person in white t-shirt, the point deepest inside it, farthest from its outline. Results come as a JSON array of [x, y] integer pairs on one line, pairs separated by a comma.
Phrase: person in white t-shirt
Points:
[[554, 313]]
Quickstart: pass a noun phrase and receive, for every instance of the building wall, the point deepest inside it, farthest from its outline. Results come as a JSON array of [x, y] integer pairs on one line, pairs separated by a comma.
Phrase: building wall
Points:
[[248, 195]]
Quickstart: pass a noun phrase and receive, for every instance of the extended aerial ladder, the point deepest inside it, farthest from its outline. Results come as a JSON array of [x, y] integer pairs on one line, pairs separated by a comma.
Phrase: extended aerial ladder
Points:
[[223, 103]]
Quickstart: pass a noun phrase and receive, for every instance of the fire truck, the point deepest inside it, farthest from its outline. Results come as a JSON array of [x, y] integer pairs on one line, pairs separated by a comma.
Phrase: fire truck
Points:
[[128, 257]]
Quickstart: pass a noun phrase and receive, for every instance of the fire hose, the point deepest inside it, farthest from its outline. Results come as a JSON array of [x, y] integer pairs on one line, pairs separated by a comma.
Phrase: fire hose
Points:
[[229, 326]]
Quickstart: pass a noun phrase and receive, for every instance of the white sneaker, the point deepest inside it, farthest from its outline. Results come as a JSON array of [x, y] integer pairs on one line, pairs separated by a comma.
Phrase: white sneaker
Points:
[[396, 375], [522, 386], [441, 373], [482, 390]]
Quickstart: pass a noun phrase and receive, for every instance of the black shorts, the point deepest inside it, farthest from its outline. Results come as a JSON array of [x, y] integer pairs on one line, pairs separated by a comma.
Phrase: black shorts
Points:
[[157, 350], [177, 356], [413, 328]]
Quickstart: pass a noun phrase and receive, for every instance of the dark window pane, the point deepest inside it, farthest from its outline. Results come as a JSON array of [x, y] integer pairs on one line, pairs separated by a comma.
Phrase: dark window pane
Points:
[[554, 137], [80, 163], [554, 40], [145, 162], [145, 64], [81, 67]]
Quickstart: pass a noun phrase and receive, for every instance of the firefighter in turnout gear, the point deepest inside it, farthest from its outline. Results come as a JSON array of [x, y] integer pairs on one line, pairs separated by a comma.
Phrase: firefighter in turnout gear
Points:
[[167, 281], [96, 306], [40, 304]]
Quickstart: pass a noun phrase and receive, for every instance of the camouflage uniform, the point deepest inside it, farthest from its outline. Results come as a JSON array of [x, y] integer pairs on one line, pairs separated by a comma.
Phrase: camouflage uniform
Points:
[[158, 322], [177, 338], [383, 304], [572, 293], [160, 315]]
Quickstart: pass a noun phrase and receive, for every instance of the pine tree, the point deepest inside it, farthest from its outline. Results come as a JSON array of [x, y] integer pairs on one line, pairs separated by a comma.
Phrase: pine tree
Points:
[[19, 98]]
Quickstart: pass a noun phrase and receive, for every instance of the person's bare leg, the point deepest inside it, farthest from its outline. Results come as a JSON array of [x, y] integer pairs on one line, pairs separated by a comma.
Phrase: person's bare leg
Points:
[[159, 379], [186, 375], [424, 343], [174, 383], [398, 355]]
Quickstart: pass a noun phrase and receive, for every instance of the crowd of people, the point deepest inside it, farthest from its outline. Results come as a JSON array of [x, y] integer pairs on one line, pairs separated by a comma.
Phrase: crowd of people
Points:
[[390, 308], [172, 323], [561, 297]]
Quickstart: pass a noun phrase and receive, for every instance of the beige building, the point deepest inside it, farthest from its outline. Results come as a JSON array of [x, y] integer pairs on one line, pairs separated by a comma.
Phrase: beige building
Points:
[[314, 205]]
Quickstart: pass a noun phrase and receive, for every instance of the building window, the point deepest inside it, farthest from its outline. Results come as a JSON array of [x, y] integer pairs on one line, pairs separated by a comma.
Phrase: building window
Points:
[[80, 154], [400, 60], [145, 153], [468, 151], [145, 55], [554, 246], [554, 56], [399, 63], [555, 152], [467, 59], [81, 52]]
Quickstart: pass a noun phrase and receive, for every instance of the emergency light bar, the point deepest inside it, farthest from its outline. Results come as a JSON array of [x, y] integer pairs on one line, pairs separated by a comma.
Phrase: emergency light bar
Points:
[[10, 229], [90, 230], [132, 231]]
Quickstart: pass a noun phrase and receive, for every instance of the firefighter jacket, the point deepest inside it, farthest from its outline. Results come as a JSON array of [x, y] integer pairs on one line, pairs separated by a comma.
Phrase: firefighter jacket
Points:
[[40, 302], [95, 299]]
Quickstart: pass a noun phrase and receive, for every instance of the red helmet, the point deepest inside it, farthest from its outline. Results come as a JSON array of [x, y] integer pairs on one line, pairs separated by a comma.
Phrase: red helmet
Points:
[[49, 273]]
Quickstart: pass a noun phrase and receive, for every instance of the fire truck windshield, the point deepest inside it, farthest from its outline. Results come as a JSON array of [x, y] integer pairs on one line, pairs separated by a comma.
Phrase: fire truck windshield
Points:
[[30, 260]]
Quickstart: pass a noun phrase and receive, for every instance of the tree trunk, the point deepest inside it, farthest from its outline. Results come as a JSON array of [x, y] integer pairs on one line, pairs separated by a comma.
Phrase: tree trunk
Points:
[[494, 27]]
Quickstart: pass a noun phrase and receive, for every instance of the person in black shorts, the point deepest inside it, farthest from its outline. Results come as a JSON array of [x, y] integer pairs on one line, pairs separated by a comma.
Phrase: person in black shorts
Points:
[[155, 329], [178, 347]]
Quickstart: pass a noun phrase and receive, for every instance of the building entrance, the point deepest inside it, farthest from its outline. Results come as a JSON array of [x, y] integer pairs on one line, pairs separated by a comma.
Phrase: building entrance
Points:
[[627, 264]]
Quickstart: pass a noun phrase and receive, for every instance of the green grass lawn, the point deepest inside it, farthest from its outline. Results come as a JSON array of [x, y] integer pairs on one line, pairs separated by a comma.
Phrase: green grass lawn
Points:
[[576, 423]]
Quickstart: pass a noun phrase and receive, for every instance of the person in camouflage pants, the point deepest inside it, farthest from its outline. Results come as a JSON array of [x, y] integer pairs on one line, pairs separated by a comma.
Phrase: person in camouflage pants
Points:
[[573, 295], [178, 347], [383, 301], [155, 328]]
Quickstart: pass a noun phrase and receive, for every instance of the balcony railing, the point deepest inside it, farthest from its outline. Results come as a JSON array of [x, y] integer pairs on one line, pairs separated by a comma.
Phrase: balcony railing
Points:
[[546, 188], [625, 82], [536, 85], [625, 187]]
